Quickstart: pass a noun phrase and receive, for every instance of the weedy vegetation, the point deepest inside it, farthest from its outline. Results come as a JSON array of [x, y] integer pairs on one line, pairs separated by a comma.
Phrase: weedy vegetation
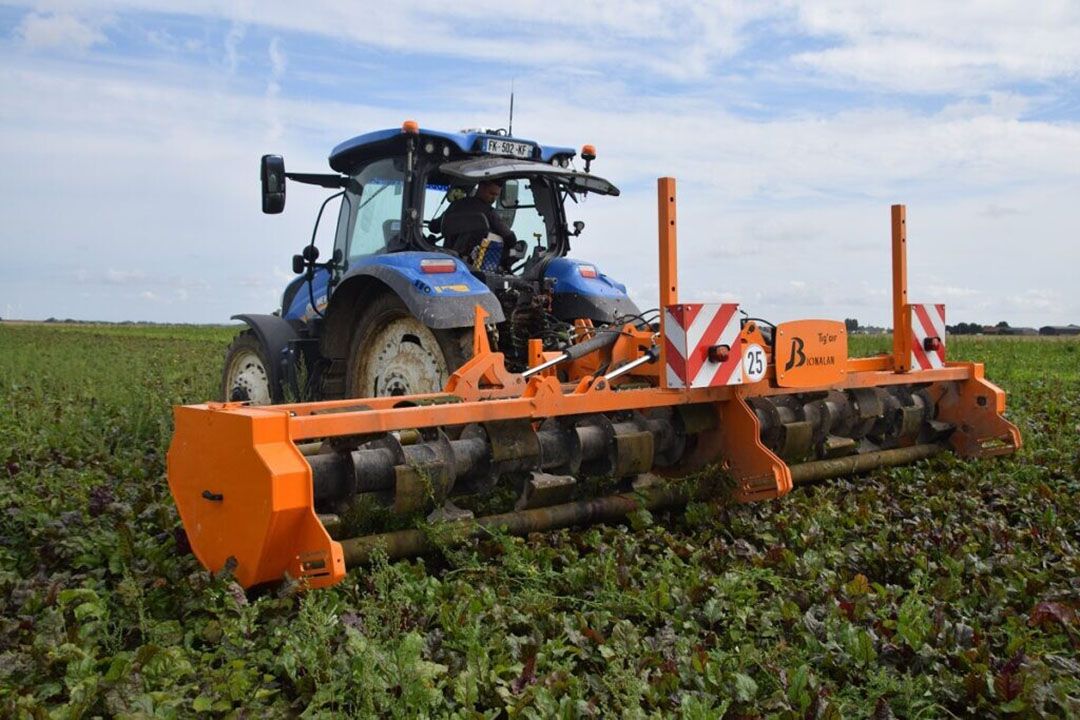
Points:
[[944, 589]]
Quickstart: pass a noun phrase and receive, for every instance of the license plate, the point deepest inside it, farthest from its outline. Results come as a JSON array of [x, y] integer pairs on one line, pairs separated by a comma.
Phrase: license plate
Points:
[[498, 146]]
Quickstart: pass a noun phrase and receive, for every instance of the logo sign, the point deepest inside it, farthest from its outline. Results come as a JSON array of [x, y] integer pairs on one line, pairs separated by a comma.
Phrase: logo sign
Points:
[[701, 345], [753, 363], [810, 353], [456, 287]]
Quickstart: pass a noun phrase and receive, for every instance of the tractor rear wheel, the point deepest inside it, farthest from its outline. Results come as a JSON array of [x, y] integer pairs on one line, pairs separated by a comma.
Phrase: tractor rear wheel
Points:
[[393, 353], [246, 376]]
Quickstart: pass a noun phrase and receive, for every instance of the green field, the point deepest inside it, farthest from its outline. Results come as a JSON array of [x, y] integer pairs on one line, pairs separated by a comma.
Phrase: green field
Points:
[[944, 589]]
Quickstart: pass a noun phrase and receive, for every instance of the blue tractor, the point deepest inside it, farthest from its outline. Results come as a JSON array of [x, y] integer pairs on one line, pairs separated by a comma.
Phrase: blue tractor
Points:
[[391, 312]]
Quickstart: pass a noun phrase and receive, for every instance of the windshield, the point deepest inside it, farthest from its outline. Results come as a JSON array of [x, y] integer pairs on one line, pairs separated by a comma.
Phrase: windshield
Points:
[[516, 205], [519, 205]]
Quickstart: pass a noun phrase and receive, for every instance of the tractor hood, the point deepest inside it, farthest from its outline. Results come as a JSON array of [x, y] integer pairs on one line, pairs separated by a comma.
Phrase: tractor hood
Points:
[[497, 168]]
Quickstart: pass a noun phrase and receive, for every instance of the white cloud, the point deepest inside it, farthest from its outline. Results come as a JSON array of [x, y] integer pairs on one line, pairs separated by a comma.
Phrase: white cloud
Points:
[[1037, 299], [539, 33], [58, 30], [232, 47], [945, 292], [928, 46], [124, 277], [277, 59], [965, 48], [994, 210], [716, 296], [276, 129]]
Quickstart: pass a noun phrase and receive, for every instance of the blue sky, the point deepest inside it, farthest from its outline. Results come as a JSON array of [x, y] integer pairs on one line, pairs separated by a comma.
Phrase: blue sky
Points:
[[131, 133]]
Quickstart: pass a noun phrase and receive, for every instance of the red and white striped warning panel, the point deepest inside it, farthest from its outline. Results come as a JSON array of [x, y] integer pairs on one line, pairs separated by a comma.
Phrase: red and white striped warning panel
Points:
[[927, 336], [701, 345]]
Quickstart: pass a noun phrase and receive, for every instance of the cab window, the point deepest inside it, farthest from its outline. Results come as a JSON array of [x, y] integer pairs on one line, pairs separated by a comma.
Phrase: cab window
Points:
[[371, 219], [517, 206]]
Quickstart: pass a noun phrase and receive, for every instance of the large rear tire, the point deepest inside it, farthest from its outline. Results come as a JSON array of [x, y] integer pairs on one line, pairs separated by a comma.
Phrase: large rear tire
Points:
[[393, 353], [246, 376]]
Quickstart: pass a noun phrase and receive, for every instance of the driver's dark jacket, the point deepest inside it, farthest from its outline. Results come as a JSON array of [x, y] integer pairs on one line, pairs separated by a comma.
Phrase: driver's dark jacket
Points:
[[473, 204]]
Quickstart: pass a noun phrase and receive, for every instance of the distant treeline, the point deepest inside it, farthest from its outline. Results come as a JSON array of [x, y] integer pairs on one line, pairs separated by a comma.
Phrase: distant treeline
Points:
[[72, 321], [1003, 328], [852, 325], [968, 328]]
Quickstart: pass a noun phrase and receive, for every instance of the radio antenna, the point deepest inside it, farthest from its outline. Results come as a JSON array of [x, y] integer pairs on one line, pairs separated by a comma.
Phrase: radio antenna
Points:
[[510, 129]]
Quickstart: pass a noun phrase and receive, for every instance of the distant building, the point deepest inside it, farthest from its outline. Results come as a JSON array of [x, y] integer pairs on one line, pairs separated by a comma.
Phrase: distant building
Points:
[[1008, 330], [1060, 330]]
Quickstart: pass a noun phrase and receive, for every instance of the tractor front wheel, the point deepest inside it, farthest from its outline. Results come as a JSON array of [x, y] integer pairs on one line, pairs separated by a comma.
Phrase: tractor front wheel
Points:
[[246, 376], [393, 353]]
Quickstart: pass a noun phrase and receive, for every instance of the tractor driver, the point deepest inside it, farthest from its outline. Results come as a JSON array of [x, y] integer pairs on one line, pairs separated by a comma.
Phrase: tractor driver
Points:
[[484, 253]]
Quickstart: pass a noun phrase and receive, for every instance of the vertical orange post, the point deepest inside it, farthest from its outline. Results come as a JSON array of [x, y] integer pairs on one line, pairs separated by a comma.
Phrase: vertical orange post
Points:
[[669, 266], [669, 271], [901, 336]]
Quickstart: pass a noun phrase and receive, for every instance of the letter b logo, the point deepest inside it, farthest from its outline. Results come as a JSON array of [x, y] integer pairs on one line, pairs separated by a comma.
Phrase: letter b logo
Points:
[[797, 346]]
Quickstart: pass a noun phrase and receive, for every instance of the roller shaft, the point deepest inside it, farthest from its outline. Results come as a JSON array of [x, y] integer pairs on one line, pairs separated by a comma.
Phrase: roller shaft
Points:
[[853, 464], [612, 508]]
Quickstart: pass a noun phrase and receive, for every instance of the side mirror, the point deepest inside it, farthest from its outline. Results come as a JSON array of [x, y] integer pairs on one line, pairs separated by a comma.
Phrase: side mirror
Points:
[[298, 264], [272, 173], [579, 225]]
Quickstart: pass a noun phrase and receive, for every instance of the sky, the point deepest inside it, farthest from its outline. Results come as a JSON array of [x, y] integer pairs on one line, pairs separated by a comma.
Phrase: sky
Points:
[[131, 130]]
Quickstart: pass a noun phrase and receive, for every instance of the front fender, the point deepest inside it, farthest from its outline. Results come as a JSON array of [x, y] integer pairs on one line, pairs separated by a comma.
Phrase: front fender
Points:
[[296, 303], [274, 335]]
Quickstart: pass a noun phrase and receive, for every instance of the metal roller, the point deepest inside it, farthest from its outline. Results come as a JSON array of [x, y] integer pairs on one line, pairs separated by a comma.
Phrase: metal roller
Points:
[[824, 425], [810, 427], [592, 445]]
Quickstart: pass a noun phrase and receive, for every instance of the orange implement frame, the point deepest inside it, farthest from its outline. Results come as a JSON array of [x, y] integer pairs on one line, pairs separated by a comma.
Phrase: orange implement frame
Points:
[[244, 491]]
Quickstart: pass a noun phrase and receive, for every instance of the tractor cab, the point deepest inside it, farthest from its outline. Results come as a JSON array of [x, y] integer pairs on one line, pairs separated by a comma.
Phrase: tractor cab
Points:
[[421, 240], [403, 183]]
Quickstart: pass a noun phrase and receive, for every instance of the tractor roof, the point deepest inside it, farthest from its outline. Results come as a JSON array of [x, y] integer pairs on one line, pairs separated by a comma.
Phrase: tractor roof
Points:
[[501, 168], [381, 143]]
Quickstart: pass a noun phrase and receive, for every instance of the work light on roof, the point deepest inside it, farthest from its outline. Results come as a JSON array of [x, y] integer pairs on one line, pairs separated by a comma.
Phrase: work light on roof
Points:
[[588, 154]]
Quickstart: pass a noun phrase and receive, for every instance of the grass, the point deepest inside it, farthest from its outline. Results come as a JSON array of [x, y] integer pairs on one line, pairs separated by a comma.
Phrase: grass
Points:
[[944, 589]]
